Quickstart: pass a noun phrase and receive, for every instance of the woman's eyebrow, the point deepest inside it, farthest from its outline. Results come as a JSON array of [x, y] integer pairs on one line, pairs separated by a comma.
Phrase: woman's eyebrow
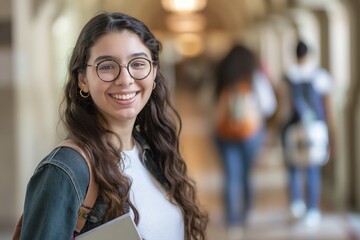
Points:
[[104, 57], [134, 55], [139, 54]]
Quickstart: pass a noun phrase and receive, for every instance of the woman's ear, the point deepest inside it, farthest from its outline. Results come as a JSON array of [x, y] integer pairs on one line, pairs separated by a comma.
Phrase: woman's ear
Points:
[[82, 83]]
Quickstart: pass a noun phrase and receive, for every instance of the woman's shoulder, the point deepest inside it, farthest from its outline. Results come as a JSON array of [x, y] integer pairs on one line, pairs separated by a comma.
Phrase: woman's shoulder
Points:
[[57, 188], [69, 161], [66, 158]]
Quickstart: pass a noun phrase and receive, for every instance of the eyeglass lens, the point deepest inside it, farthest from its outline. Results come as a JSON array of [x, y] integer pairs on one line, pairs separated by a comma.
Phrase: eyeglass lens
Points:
[[138, 68]]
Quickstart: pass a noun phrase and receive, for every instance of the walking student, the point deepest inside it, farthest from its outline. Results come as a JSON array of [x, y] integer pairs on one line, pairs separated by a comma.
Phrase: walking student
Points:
[[245, 99], [306, 135]]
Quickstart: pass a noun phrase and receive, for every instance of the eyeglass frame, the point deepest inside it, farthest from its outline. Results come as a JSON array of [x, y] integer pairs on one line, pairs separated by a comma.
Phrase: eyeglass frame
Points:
[[121, 65]]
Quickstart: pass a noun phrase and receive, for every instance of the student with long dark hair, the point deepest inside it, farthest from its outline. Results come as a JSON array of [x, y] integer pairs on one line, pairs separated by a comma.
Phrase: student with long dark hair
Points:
[[117, 111], [244, 98]]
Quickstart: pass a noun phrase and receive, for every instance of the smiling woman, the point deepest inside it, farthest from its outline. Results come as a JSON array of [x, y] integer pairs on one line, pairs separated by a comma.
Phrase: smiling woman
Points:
[[122, 121], [109, 87]]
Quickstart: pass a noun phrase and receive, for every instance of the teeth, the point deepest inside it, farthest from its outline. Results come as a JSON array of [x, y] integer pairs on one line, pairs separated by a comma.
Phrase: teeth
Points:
[[124, 96]]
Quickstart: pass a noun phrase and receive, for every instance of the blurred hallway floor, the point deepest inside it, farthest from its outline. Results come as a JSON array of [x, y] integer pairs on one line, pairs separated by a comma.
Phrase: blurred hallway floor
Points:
[[269, 218]]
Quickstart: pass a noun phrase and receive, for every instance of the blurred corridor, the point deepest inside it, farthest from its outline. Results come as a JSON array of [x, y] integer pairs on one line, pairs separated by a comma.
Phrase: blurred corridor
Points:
[[36, 38], [270, 218]]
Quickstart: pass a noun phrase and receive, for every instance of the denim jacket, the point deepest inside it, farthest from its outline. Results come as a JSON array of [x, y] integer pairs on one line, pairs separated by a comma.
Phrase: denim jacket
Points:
[[57, 189]]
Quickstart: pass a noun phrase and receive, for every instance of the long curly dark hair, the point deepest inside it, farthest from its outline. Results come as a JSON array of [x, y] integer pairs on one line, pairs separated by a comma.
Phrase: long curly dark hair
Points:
[[159, 124]]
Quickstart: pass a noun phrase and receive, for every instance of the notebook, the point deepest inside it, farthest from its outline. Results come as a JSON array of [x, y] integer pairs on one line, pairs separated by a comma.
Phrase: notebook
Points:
[[122, 227]]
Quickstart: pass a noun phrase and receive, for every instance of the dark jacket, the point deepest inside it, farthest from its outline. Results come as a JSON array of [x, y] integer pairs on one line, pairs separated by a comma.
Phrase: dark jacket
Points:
[[57, 189]]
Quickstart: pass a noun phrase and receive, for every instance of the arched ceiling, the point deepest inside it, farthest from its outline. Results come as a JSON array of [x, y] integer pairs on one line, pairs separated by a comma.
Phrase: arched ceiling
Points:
[[229, 15], [226, 21]]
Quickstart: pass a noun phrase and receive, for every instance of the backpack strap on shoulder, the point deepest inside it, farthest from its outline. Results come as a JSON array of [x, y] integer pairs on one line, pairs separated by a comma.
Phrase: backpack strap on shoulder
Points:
[[93, 189]]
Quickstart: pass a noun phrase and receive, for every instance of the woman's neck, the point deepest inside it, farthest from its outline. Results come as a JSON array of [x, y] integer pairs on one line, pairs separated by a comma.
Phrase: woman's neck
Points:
[[124, 132], [128, 144]]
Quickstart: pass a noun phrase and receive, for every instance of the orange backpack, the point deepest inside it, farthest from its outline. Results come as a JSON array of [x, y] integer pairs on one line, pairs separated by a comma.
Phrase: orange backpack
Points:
[[238, 115]]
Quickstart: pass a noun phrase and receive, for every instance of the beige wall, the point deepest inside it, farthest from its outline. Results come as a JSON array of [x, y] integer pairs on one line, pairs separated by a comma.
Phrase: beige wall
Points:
[[7, 126], [39, 76]]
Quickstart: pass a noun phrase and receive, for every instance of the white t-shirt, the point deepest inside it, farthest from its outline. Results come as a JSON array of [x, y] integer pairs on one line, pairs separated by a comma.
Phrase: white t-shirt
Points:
[[322, 81], [159, 218], [265, 94]]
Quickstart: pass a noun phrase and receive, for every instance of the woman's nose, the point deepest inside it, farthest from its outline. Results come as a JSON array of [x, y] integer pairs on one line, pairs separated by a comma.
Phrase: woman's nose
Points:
[[124, 78]]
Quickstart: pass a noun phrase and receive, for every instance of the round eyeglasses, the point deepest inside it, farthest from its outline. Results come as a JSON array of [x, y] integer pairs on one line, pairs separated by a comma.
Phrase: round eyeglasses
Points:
[[108, 70]]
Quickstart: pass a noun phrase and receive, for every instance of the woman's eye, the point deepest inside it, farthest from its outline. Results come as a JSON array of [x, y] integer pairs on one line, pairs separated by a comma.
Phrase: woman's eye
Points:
[[106, 67], [138, 64]]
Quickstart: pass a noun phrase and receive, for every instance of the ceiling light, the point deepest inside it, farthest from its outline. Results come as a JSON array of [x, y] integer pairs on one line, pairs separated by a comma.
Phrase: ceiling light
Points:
[[184, 5]]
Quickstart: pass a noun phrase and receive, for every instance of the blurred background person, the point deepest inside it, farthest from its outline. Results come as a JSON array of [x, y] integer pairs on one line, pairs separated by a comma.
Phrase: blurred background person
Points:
[[305, 134], [244, 99]]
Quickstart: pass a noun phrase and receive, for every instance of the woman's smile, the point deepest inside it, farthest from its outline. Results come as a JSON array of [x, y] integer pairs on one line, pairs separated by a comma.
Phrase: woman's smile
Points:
[[124, 96]]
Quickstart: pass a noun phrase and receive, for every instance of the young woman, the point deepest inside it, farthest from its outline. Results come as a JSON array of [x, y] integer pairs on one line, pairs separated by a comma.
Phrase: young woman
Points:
[[117, 111]]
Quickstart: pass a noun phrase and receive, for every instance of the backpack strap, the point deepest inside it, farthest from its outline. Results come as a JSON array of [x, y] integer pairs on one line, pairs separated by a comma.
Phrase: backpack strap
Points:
[[93, 189], [89, 200]]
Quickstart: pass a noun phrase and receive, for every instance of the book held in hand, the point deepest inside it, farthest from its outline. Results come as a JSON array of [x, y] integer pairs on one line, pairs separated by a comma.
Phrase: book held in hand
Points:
[[122, 227]]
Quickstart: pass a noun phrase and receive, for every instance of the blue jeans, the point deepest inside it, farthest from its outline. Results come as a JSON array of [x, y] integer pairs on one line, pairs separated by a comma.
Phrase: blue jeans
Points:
[[309, 177], [237, 158]]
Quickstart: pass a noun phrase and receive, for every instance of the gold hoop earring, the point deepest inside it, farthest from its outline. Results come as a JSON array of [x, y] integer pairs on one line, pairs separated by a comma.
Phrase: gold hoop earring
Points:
[[84, 95], [154, 85]]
